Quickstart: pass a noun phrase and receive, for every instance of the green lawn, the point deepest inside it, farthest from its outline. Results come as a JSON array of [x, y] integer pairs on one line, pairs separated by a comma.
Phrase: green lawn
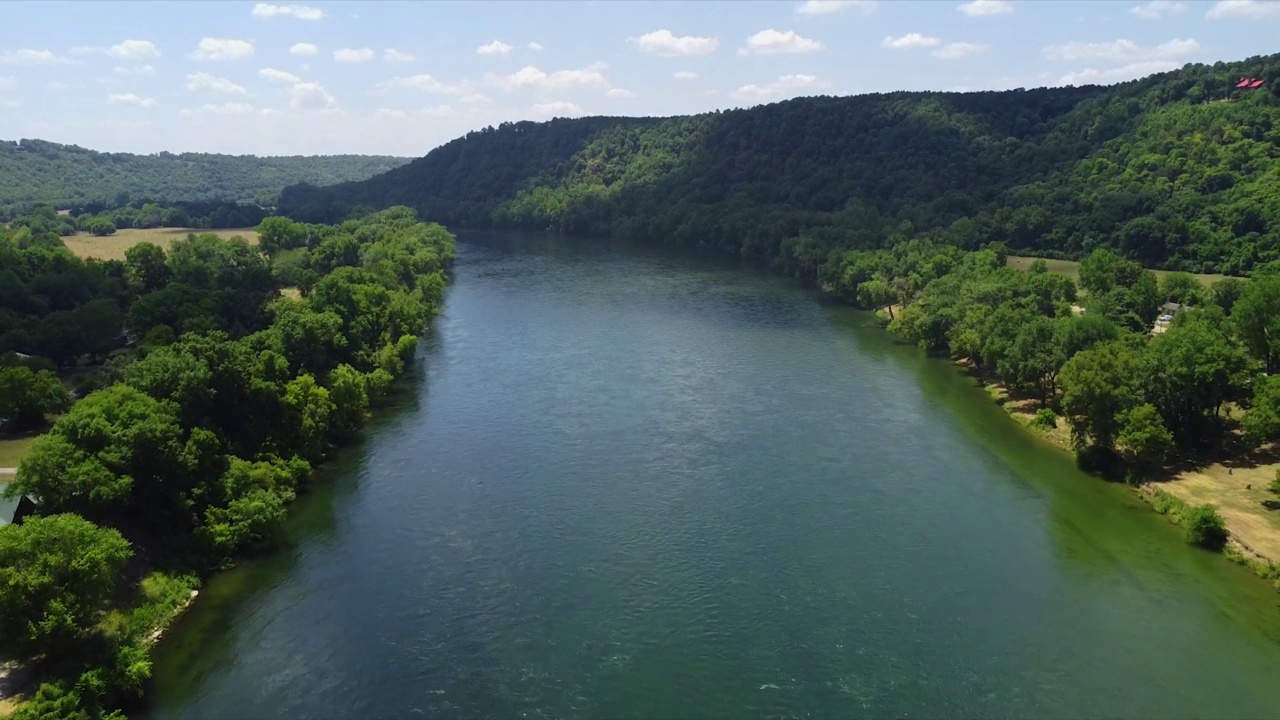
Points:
[[1072, 268], [12, 450]]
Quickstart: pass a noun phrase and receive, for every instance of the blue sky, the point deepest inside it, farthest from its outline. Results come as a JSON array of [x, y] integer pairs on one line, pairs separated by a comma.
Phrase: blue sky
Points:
[[401, 77]]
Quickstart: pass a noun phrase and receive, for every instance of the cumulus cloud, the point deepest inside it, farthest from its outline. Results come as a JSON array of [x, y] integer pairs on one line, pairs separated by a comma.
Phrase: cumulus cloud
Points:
[[32, 57], [1157, 9], [556, 109], [532, 77], [131, 99], [134, 50], [1243, 9], [960, 50], [440, 111], [218, 109], [390, 113], [422, 83], [1132, 71], [986, 8], [619, 93], [301, 12], [828, 7], [310, 96], [777, 42], [785, 86], [223, 49], [685, 75], [664, 42], [1121, 51], [394, 55], [204, 82], [304, 49], [278, 76], [474, 99], [139, 70], [911, 41], [497, 47], [353, 55], [535, 46]]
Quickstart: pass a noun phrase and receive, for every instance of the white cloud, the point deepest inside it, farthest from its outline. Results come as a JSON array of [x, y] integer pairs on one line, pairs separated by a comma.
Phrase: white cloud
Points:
[[497, 47], [911, 41], [986, 8], [32, 57], [139, 70], [1132, 71], [685, 75], [1157, 9], [777, 42], [134, 50], [535, 46], [1246, 9], [353, 55], [301, 12], [423, 83], [394, 55], [1121, 51], [304, 49], [785, 86], [827, 7], [278, 76], [10, 103], [556, 109], [271, 112], [440, 111], [8, 83], [532, 77], [959, 50], [220, 109], [204, 82], [223, 49], [663, 42], [474, 99], [310, 96], [131, 99], [390, 113], [619, 93]]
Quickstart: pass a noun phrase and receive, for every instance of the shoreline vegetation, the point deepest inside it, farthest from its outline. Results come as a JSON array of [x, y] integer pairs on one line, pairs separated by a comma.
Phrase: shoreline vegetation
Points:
[[155, 477], [1060, 360]]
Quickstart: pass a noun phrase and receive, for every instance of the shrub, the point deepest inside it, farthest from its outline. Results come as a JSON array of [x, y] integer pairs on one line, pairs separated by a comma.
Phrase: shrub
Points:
[[1205, 527], [1045, 419], [1275, 484]]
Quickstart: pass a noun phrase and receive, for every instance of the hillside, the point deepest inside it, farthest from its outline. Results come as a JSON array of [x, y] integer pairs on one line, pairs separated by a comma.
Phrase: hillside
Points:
[[35, 171], [1176, 170]]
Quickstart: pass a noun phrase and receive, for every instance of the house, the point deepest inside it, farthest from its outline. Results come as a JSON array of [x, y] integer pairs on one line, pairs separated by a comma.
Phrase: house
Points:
[[1170, 309], [12, 511], [1249, 84]]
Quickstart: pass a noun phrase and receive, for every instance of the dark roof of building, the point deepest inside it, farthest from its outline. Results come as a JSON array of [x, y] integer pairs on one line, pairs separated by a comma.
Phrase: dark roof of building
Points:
[[1171, 306]]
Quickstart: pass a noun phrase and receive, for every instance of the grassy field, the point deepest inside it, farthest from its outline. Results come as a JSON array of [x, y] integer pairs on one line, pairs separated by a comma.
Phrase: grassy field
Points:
[[12, 450], [1241, 494], [1072, 268], [112, 247]]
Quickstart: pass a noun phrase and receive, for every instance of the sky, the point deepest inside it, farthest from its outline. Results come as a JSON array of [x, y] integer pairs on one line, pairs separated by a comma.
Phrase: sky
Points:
[[400, 78]]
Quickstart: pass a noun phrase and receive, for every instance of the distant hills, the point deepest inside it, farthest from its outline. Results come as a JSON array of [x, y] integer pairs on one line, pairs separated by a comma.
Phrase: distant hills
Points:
[[36, 171], [1177, 170]]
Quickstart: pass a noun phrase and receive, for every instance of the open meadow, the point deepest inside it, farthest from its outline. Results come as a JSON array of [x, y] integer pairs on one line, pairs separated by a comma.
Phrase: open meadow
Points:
[[1071, 268], [113, 247]]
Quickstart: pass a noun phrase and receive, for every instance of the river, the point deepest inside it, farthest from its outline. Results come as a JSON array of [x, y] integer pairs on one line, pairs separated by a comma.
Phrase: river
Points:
[[627, 483]]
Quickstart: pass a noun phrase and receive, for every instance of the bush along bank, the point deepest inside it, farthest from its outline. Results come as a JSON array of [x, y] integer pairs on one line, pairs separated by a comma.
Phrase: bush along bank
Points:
[[187, 456], [1142, 393]]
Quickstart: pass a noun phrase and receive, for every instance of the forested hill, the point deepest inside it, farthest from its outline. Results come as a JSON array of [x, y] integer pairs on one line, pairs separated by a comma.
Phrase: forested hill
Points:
[[35, 171], [1178, 170]]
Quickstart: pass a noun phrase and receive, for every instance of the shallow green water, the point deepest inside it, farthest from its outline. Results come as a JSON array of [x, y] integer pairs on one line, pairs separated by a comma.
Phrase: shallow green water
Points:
[[628, 484]]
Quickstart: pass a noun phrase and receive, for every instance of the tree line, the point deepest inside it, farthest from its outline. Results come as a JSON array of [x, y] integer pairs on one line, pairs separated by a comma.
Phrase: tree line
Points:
[[38, 171], [1175, 171], [161, 473], [1134, 398]]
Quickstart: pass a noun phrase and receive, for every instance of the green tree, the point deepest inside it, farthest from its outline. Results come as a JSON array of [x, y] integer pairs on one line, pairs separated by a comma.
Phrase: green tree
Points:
[[57, 574], [1190, 372], [1182, 287], [1225, 293], [146, 268], [1143, 438], [1204, 527], [279, 233], [27, 398], [1262, 423], [1257, 318], [1098, 387]]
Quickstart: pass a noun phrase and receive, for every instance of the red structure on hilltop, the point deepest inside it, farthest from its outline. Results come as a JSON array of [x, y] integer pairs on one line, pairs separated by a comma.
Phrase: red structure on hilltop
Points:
[[1249, 84]]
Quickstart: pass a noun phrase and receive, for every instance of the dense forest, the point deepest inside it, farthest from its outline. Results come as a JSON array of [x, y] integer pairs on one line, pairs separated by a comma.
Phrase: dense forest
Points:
[[65, 176], [157, 474], [1177, 170]]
